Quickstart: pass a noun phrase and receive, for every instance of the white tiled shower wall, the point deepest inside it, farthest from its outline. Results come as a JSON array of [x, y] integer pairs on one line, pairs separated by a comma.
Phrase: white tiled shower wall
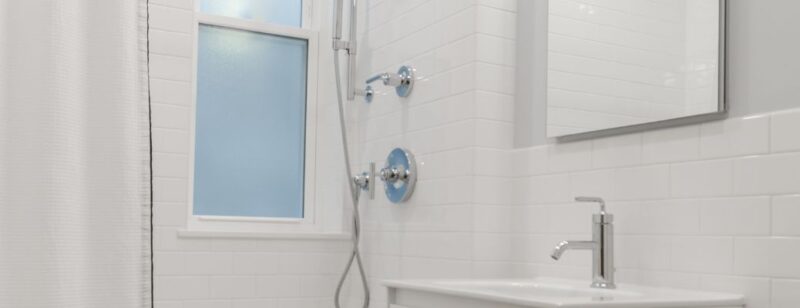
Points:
[[219, 272], [457, 120], [707, 206]]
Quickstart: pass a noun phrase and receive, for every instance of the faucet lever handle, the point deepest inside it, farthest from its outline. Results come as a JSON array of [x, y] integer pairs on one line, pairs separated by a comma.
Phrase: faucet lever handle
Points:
[[366, 181], [595, 200]]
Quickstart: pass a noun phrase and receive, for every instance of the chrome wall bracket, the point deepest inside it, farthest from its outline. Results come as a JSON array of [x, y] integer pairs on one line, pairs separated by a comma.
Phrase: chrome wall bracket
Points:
[[402, 81]]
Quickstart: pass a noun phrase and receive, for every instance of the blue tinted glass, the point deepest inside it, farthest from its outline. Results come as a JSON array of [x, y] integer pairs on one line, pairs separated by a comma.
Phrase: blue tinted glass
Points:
[[250, 125], [283, 12]]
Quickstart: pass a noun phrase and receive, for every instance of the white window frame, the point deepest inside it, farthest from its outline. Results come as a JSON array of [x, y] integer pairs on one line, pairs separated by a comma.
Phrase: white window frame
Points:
[[310, 222]]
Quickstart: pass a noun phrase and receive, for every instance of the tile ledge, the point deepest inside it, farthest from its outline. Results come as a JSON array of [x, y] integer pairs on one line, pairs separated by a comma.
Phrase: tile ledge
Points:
[[185, 233]]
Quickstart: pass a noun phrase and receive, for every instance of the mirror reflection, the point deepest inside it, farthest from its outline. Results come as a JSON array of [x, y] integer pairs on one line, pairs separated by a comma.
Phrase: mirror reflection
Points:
[[618, 63]]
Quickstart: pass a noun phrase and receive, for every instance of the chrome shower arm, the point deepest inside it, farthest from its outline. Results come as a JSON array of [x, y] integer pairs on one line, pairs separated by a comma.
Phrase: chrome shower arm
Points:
[[388, 79], [402, 81]]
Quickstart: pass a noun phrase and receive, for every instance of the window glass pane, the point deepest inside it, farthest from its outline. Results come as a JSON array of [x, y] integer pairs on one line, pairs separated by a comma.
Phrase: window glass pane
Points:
[[283, 12], [250, 124]]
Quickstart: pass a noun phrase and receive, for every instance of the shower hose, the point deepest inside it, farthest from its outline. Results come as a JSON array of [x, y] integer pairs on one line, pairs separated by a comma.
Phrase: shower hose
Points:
[[355, 254]]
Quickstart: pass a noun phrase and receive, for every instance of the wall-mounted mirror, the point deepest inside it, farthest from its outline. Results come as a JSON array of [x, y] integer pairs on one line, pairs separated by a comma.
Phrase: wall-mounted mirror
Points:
[[623, 65]]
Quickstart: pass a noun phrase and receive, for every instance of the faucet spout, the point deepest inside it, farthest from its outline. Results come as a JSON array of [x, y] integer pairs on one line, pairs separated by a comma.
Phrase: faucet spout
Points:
[[567, 245]]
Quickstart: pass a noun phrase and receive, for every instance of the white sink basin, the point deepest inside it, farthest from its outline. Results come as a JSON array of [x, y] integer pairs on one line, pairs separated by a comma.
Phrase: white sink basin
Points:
[[547, 292]]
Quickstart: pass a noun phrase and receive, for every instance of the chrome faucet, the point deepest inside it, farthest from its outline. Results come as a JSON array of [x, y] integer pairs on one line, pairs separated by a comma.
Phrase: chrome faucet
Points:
[[602, 246]]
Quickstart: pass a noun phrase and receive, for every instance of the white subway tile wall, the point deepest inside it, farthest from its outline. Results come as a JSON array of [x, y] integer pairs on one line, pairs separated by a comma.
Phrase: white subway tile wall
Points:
[[458, 123], [724, 220], [712, 206]]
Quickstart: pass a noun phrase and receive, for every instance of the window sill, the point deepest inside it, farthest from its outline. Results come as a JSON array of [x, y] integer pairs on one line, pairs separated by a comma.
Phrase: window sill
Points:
[[264, 235]]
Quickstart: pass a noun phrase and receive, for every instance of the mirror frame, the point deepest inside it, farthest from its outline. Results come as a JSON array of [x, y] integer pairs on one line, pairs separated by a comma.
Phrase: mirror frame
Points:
[[722, 105]]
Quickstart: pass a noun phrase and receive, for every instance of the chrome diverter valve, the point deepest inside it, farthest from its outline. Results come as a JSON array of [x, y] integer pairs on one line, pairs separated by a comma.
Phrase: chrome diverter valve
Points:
[[399, 175]]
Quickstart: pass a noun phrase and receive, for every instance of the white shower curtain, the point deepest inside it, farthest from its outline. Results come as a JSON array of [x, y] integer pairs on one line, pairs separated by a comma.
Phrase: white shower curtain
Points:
[[74, 154]]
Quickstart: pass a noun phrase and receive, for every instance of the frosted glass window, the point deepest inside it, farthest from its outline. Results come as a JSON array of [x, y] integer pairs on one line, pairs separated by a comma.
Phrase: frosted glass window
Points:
[[283, 12], [250, 124]]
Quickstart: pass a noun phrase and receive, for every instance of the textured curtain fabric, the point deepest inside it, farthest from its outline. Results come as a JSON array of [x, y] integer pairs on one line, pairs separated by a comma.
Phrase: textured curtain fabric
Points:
[[74, 154]]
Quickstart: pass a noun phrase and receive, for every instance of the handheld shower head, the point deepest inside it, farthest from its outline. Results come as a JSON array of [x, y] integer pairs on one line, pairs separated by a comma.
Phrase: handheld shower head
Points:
[[338, 8], [349, 45]]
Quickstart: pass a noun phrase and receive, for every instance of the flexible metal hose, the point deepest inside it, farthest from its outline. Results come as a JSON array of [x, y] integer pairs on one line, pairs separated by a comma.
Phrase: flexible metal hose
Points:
[[355, 255]]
